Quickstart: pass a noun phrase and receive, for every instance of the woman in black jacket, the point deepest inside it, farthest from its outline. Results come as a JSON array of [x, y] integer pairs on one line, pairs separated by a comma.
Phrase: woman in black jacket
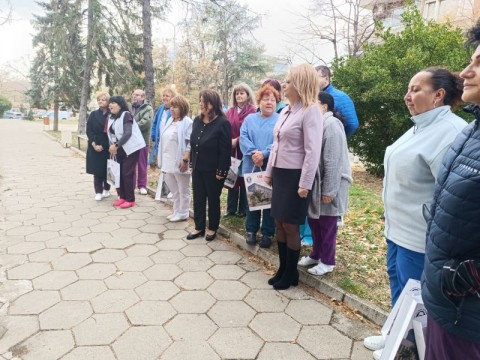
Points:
[[97, 152], [210, 143]]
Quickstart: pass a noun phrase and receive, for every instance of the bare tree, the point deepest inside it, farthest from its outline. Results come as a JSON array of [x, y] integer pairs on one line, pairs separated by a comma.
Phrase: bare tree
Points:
[[341, 24], [6, 11]]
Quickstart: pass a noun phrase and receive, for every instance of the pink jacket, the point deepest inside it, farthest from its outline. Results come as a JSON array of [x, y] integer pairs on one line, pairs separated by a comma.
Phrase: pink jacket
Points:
[[297, 142]]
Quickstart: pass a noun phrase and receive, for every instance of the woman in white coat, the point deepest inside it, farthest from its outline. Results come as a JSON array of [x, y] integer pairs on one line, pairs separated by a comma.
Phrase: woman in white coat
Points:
[[174, 156]]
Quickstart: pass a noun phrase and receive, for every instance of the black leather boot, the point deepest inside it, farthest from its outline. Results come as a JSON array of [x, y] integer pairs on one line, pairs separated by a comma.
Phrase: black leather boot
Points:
[[282, 255], [290, 276]]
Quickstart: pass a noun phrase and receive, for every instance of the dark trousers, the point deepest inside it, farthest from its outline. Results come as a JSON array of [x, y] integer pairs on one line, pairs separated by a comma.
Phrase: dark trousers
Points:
[[252, 224], [128, 166], [206, 187], [324, 236], [443, 345], [100, 184], [237, 201]]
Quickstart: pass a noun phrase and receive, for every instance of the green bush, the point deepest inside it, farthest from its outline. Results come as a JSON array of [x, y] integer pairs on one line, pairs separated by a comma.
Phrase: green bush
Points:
[[5, 105], [377, 81]]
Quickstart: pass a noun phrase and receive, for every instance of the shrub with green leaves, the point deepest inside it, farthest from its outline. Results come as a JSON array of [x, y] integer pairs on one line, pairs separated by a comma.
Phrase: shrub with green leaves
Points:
[[5, 105], [377, 81]]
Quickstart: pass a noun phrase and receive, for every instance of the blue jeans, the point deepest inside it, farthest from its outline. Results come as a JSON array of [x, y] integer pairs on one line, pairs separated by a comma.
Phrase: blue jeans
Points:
[[252, 224], [402, 264]]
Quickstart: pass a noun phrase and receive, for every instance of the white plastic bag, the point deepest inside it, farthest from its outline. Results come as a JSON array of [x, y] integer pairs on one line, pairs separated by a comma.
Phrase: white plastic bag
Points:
[[113, 172]]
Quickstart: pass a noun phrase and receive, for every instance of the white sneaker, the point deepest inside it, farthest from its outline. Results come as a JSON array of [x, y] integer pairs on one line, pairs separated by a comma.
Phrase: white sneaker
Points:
[[98, 197], [377, 355], [178, 218], [170, 195], [106, 193], [171, 216], [143, 191], [321, 269], [376, 342], [306, 261]]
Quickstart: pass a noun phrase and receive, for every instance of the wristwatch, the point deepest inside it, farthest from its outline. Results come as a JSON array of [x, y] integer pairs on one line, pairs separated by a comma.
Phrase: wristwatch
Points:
[[185, 160]]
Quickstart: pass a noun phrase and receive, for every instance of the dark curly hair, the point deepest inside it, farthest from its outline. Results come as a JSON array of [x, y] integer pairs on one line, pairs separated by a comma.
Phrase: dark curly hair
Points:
[[473, 36], [327, 99]]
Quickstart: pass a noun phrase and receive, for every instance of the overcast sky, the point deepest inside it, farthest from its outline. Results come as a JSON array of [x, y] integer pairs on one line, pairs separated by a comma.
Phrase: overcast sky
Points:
[[278, 19]]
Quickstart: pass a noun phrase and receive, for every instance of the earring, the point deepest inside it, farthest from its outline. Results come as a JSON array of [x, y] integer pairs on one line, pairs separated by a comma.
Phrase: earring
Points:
[[434, 104]]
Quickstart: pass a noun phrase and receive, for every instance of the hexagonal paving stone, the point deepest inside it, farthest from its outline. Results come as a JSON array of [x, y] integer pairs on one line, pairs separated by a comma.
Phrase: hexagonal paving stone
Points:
[[83, 290], [42, 236], [90, 353], [150, 313], [122, 234], [236, 343], [157, 290], [96, 238], [219, 246], [132, 224], [231, 313], [28, 271], [84, 247], [12, 260], [115, 243], [171, 244], [112, 301], [275, 327], [96, 271], [23, 230], [18, 329], [13, 289], [100, 329], [189, 302], [46, 255], [134, 263], [167, 257], [34, 302], [180, 350], [309, 312], [196, 250], [46, 345], [54, 280], [146, 238], [162, 272], [284, 351], [191, 327], [108, 255], [56, 226], [141, 343], [256, 280], [141, 250], [174, 233], [104, 228], [65, 315], [26, 248], [125, 280], [194, 281], [71, 261], [334, 345], [152, 228], [84, 222], [75, 231], [196, 263], [226, 272], [224, 257], [228, 290], [266, 301]]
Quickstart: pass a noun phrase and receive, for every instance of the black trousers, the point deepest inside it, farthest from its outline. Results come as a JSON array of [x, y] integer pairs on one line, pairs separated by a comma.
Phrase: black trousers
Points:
[[206, 187], [100, 184], [128, 165]]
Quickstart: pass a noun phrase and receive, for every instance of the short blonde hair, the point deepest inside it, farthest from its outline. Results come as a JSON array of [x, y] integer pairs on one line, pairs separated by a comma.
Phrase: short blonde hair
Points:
[[170, 90], [247, 89], [103, 94], [307, 83]]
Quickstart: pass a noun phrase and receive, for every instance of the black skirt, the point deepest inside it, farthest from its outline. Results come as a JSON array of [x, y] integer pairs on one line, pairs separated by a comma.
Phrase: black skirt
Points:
[[287, 206]]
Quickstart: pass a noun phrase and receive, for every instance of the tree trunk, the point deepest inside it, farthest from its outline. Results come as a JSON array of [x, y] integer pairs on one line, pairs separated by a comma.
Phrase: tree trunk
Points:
[[55, 115], [87, 68], [147, 53]]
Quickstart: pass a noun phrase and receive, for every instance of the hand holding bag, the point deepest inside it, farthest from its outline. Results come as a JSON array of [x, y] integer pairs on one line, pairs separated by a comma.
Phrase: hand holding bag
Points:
[[113, 171]]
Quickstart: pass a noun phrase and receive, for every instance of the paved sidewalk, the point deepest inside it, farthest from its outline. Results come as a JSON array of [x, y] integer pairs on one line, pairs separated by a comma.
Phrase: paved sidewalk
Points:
[[82, 280]]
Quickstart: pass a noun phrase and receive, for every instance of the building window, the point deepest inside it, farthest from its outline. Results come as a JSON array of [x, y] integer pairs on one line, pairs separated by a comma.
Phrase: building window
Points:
[[429, 12]]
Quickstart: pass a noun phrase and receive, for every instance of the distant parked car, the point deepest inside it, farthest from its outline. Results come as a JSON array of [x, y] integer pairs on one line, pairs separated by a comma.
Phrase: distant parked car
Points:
[[13, 114], [62, 115]]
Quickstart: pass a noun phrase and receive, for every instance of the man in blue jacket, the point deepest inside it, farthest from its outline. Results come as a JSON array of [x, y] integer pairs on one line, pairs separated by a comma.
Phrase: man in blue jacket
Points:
[[451, 277], [343, 102]]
